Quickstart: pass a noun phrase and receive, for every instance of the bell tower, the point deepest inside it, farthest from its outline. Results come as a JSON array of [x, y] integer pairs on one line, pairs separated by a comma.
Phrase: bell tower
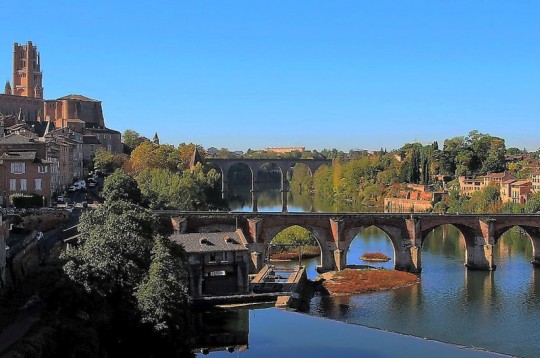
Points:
[[27, 75]]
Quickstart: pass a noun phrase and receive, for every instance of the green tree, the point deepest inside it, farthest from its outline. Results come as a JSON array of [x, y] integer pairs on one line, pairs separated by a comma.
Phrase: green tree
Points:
[[190, 190], [533, 204], [295, 235], [107, 162], [162, 296], [120, 186], [131, 140], [487, 200], [495, 158], [113, 251]]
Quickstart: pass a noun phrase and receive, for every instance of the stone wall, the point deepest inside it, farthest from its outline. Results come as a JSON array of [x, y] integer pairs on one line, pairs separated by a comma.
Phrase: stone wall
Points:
[[22, 264], [44, 220], [399, 205]]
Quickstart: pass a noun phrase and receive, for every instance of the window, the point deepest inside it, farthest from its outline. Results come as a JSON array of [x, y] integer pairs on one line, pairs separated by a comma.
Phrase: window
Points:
[[109, 148], [18, 168], [12, 184], [23, 184], [42, 169], [217, 273], [37, 183]]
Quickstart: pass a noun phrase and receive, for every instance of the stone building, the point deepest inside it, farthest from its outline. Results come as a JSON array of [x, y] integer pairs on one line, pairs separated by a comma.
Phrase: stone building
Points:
[[282, 150], [23, 167], [22, 105], [218, 262], [4, 233], [65, 152], [74, 106]]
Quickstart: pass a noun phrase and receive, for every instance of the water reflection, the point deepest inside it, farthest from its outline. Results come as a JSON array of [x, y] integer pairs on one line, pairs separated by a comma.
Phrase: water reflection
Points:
[[498, 311], [269, 200], [220, 330]]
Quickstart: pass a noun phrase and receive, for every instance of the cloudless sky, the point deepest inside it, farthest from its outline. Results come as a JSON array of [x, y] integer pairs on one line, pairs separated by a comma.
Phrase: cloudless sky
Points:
[[319, 74]]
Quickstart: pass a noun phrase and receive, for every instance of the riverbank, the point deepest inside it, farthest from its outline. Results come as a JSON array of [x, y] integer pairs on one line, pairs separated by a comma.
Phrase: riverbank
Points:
[[294, 253], [365, 279]]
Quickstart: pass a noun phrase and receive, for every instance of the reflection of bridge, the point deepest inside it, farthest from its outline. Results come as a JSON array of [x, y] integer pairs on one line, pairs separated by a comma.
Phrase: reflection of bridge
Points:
[[335, 232], [254, 165]]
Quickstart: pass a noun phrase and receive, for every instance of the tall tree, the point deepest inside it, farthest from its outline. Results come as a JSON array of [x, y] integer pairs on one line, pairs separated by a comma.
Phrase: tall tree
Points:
[[162, 296], [120, 186], [131, 140], [107, 162]]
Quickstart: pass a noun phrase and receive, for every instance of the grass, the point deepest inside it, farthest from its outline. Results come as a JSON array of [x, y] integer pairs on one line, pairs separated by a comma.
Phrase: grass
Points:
[[293, 253], [375, 256], [352, 281]]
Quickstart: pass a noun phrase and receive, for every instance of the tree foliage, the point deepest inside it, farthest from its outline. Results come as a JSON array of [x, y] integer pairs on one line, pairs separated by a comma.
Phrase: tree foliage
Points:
[[113, 253], [131, 140], [120, 186], [162, 296], [295, 235], [107, 162], [190, 190]]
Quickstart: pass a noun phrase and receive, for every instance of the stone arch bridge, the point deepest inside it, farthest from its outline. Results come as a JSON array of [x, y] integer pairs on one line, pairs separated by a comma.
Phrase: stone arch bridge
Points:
[[335, 232], [254, 165]]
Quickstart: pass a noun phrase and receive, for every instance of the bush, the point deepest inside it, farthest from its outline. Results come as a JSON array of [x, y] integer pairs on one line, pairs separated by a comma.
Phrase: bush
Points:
[[20, 200]]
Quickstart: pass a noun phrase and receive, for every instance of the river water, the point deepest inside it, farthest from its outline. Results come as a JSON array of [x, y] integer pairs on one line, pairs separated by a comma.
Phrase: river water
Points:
[[497, 311]]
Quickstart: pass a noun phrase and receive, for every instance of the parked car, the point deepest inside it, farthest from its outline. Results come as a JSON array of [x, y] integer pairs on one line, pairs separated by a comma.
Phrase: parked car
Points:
[[72, 188], [60, 199]]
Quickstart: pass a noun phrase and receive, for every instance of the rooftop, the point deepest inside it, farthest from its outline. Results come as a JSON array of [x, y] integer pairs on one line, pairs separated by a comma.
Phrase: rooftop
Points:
[[210, 242], [78, 97]]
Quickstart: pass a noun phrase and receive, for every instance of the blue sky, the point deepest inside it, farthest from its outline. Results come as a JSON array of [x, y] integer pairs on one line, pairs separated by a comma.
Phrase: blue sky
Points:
[[319, 74]]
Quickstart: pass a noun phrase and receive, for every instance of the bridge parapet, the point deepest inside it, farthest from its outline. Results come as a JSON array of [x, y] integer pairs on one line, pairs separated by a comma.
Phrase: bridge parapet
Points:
[[336, 231]]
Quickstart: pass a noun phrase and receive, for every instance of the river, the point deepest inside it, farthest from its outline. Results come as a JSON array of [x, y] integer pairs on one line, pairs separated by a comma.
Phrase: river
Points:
[[497, 311]]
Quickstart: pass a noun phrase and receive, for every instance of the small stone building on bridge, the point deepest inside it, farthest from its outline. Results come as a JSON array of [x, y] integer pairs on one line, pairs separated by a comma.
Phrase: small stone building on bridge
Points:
[[218, 262]]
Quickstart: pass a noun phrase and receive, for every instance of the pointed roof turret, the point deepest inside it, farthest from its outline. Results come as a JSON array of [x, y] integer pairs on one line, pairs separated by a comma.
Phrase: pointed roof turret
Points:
[[155, 140], [7, 88], [195, 158]]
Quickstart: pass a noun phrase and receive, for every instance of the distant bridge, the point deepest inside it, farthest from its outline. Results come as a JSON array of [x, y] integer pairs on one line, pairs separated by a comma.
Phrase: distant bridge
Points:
[[335, 231], [254, 165]]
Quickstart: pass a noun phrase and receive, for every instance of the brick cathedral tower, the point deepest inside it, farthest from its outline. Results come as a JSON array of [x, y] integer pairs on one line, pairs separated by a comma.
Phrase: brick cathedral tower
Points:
[[27, 76]]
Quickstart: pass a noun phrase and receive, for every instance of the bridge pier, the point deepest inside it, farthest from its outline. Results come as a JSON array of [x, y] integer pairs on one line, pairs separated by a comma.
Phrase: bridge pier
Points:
[[409, 259], [339, 259], [254, 194], [284, 205], [224, 186], [331, 260], [535, 251], [257, 261], [479, 257], [284, 194]]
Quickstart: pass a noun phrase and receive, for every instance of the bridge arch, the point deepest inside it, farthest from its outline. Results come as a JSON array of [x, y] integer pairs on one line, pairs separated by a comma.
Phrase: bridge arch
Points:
[[478, 248], [467, 232], [393, 233], [365, 230], [531, 231], [320, 235], [255, 164]]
